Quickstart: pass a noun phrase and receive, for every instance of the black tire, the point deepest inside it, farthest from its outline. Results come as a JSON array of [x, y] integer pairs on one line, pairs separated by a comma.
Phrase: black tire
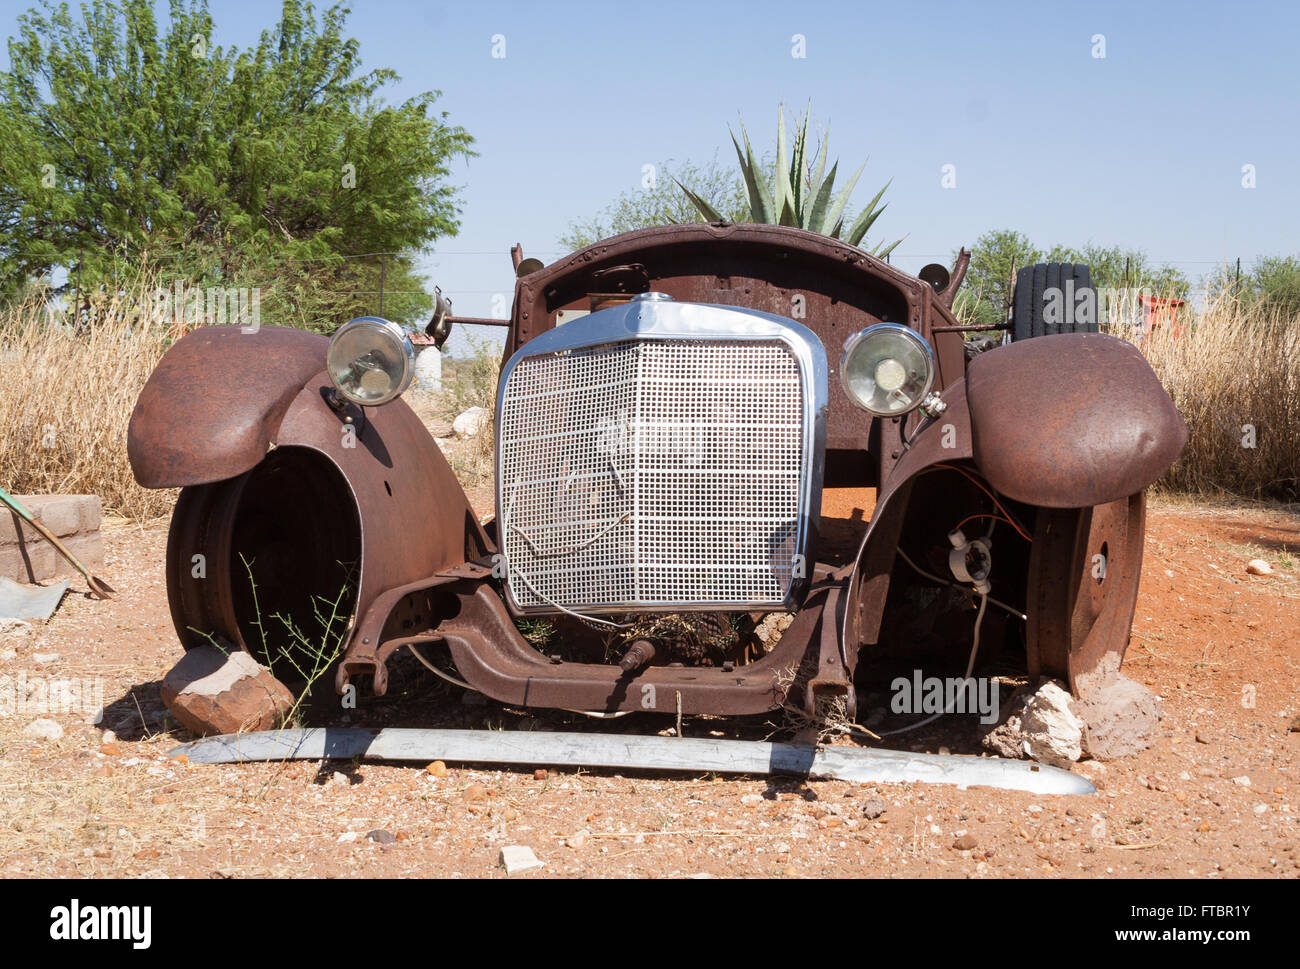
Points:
[[1038, 310]]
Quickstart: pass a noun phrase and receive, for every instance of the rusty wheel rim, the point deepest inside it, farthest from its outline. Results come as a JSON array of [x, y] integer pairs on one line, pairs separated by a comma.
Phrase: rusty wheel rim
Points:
[[1085, 566]]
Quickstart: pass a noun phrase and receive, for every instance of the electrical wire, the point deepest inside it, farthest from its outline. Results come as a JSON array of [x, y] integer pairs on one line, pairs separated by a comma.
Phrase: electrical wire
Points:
[[970, 668], [934, 578], [970, 518], [1011, 520]]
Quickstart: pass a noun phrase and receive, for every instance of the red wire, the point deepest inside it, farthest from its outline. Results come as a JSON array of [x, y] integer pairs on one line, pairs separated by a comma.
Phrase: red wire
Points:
[[994, 517], [1010, 520]]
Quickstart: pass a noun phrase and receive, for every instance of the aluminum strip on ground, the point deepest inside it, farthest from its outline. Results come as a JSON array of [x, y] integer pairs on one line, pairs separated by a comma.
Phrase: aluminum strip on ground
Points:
[[535, 748]]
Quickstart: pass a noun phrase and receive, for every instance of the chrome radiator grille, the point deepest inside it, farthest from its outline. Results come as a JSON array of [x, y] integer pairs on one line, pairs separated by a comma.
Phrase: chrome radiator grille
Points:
[[653, 474]]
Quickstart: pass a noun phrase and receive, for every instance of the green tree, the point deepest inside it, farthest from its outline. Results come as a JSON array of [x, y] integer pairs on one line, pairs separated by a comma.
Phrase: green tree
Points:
[[122, 142], [1272, 286], [1116, 268], [985, 297], [659, 201]]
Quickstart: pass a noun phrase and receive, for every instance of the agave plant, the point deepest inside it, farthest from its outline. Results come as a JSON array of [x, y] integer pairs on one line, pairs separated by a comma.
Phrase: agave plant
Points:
[[802, 193]]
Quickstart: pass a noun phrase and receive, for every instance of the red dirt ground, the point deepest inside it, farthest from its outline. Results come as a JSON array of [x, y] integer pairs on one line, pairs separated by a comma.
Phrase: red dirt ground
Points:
[[1218, 794]]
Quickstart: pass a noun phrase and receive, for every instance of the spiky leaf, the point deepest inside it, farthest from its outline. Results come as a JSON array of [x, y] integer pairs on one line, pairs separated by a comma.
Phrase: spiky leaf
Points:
[[703, 207]]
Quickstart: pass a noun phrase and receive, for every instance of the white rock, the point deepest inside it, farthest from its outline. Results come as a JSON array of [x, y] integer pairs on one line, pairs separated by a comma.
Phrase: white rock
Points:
[[347, 836], [43, 730], [45, 657], [428, 369], [1259, 567], [470, 423], [1051, 732], [8, 654], [1242, 781], [14, 628], [518, 858]]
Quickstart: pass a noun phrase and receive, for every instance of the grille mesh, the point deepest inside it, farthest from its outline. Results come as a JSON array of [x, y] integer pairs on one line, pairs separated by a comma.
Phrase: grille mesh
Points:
[[652, 473]]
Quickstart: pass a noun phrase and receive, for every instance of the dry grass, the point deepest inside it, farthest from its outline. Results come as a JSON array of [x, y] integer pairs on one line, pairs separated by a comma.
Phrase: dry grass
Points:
[[1235, 377], [66, 400]]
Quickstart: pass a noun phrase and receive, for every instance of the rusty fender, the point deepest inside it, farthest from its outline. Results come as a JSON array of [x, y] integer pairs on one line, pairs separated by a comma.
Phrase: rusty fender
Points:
[[226, 409], [1067, 421]]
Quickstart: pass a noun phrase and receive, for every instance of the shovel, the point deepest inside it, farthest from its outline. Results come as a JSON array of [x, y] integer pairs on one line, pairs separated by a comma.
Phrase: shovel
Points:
[[98, 587]]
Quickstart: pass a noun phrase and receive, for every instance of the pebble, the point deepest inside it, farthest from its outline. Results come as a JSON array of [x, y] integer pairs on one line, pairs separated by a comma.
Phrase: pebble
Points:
[[44, 658], [437, 769], [380, 836], [1259, 567], [518, 858], [339, 779], [43, 729], [1242, 781], [539, 774], [965, 842], [874, 807], [577, 839]]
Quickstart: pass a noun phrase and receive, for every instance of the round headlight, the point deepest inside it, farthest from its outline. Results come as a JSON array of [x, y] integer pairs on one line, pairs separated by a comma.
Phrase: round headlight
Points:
[[370, 360], [887, 369]]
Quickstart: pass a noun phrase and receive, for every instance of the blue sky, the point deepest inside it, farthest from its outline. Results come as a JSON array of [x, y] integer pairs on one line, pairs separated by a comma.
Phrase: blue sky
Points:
[[1144, 147]]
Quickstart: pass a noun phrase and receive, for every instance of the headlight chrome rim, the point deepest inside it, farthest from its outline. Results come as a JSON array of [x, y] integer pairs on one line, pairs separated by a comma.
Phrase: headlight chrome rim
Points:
[[387, 336], [909, 335]]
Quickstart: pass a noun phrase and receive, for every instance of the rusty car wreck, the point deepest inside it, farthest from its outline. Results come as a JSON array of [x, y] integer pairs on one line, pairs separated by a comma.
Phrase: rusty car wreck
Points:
[[674, 403]]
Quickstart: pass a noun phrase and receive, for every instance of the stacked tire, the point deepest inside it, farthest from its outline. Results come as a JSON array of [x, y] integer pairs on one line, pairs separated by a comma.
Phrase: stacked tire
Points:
[[1053, 297]]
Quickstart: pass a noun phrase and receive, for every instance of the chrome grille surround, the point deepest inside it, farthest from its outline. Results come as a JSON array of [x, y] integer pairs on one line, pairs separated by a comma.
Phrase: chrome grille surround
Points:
[[661, 456]]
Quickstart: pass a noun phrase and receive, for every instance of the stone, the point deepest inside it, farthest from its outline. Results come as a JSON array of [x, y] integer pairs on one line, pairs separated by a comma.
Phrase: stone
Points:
[[211, 692], [428, 369], [16, 629], [437, 769], [874, 807], [470, 423], [518, 858], [965, 842], [540, 774], [379, 836], [43, 729], [1004, 737], [769, 631], [1051, 732], [1259, 567], [1120, 716], [74, 519], [577, 839]]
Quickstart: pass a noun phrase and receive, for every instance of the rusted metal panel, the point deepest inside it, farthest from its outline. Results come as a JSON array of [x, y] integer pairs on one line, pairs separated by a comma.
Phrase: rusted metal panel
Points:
[[396, 507], [495, 659], [831, 287], [1071, 420], [211, 407], [869, 580]]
